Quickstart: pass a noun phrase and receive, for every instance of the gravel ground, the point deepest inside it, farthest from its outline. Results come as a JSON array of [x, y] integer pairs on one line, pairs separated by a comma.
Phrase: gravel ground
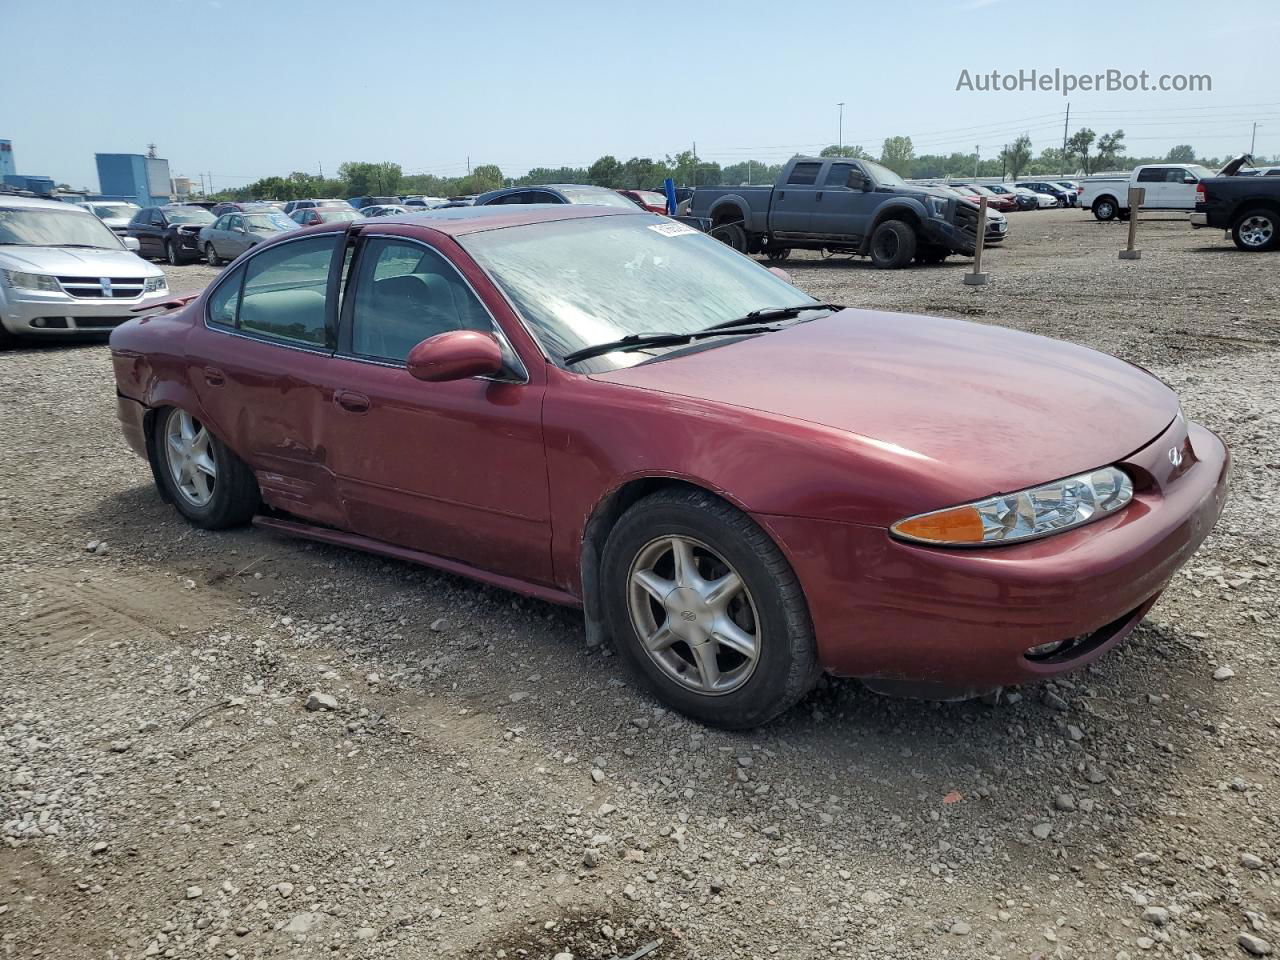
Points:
[[237, 745]]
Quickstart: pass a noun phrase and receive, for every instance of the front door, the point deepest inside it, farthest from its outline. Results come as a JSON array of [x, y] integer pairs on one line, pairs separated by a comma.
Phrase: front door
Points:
[[792, 207], [841, 211], [454, 469]]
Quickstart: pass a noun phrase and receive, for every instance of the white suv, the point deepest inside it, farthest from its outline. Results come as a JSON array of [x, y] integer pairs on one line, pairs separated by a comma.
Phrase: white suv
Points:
[[62, 271]]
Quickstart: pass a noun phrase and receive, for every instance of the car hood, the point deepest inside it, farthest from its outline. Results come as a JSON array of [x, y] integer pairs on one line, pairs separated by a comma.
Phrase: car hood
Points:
[[77, 262], [996, 409]]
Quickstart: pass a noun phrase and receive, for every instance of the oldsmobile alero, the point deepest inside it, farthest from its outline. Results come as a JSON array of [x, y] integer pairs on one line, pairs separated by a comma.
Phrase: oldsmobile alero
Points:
[[740, 485]]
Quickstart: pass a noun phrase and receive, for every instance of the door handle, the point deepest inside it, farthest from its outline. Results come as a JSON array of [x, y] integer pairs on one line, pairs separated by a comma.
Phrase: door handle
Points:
[[782, 194], [819, 194], [214, 377], [351, 402]]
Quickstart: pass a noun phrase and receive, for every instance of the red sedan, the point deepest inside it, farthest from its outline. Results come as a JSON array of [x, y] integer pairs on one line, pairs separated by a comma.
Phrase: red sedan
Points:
[[741, 486], [649, 200]]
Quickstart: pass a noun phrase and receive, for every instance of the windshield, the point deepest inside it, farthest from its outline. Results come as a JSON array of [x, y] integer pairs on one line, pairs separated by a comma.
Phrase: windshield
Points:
[[882, 174], [334, 215], [105, 210], [269, 221], [583, 282], [188, 215], [604, 198], [36, 227]]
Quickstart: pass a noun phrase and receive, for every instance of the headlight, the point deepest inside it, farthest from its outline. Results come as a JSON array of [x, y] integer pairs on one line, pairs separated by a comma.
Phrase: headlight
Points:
[[155, 284], [937, 206], [1026, 515], [30, 281]]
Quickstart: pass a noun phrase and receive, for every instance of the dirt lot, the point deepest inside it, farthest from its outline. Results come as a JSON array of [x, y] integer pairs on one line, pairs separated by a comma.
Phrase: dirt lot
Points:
[[489, 787]]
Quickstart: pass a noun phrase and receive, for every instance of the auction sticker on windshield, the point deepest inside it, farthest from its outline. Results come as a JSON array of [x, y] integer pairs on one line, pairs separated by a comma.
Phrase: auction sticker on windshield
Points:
[[672, 229]]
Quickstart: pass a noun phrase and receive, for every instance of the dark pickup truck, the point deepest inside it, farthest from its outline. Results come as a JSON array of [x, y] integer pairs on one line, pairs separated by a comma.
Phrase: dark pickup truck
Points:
[[845, 206], [1247, 206]]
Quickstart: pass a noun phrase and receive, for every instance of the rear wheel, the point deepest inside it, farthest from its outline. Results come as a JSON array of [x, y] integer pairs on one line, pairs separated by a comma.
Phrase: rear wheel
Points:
[[705, 608], [731, 234], [893, 244], [776, 252], [1256, 230], [1104, 208], [208, 483], [171, 254], [211, 255]]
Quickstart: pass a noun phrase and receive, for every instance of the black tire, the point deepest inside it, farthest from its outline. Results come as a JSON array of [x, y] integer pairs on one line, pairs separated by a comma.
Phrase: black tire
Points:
[[1257, 230], [786, 667], [171, 255], [776, 252], [732, 235], [7, 339], [1105, 208], [932, 255], [235, 498], [211, 255], [893, 245]]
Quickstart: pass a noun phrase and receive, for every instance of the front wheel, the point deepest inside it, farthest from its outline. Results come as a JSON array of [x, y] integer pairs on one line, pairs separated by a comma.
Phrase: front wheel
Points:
[[731, 234], [210, 485], [776, 252], [893, 245], [1256, 231], [211, 256], [171, 254], [704, 607]]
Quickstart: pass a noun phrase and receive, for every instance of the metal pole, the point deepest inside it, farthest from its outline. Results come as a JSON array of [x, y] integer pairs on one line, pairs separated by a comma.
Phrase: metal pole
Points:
[[695, 164], [840, 130], [1253, 140], [1065, 121], [1137, 196], [977, 156], [977, 278]]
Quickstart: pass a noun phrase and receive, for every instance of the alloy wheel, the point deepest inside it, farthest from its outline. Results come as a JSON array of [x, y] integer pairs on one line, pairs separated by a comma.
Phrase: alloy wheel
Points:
[[1256, 231], [190, 458], [694, 615]]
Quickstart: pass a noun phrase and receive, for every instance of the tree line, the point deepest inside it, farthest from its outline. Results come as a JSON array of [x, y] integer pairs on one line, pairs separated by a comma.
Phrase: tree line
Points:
[[1086, 152]]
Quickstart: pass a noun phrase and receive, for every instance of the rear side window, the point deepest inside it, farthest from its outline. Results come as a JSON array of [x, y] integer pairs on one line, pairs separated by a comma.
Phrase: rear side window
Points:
[[804, 173], [406, 293], [1152, 175], [283, 293]]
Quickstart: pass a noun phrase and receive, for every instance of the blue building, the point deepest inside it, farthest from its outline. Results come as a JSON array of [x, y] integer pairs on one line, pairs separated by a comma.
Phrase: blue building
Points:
[[144, 180], [7, 167]]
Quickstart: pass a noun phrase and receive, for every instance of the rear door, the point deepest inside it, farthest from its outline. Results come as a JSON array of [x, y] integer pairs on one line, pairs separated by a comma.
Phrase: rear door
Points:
[[792, 207], [262, 366], [1154, 180], [455, 469], [841, 211]]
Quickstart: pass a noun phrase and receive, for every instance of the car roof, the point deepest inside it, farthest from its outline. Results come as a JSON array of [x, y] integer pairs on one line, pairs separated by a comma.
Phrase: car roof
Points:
[[37, 204], [459, 221]]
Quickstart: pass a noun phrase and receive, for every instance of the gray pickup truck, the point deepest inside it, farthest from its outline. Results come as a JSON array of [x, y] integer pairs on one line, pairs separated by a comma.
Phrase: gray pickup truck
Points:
[[845, 206]]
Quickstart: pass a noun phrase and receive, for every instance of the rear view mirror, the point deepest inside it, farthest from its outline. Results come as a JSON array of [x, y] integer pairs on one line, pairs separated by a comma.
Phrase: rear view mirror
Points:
[[455, 355], [131, 243]]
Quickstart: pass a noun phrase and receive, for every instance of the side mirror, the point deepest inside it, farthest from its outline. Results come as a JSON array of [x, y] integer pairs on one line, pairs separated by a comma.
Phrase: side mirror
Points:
[[131, 243], [858, 182], [780, 273], [1189, 179], [455, 355]]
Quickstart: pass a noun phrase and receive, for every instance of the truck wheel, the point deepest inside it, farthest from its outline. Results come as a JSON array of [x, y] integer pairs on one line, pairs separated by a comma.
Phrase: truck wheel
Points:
[[892, 245], [731, 234], [1104, 208], [932, 255], [776, 252], [1256, 230]]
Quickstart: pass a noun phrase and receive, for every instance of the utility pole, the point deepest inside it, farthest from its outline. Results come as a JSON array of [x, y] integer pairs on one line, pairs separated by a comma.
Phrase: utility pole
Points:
[[320, 164], [1004, 162], [211, 181], [695, 164], [1065, 121], [1253, 140], [468, 164], [977, 156], [748, 173], [840, 130]]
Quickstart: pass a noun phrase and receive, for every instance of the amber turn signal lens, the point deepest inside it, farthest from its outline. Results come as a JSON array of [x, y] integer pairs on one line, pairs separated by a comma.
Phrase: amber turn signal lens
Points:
[[958, 525]]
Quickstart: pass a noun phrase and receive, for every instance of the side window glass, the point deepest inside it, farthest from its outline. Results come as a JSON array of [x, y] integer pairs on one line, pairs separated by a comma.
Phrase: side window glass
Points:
[[838, 175], [1151, 175], [404, 294], [804, 173], [157, 218], [225, 300], [285, 291]]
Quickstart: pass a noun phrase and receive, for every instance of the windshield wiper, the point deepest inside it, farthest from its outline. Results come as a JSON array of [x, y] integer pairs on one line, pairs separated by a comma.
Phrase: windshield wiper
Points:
[[773, 313], [638, 341], [80, 246]]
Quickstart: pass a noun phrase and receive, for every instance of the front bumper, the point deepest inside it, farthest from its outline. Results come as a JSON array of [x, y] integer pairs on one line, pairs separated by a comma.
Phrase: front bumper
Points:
[[959, 622], [32, 313]]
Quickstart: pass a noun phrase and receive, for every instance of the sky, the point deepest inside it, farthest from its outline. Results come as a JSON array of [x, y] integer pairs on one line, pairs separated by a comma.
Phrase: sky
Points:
[[242, 89]]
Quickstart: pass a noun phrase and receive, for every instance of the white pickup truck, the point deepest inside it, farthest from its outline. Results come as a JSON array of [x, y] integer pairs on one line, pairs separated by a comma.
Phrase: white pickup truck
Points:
[[1169, 186]]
